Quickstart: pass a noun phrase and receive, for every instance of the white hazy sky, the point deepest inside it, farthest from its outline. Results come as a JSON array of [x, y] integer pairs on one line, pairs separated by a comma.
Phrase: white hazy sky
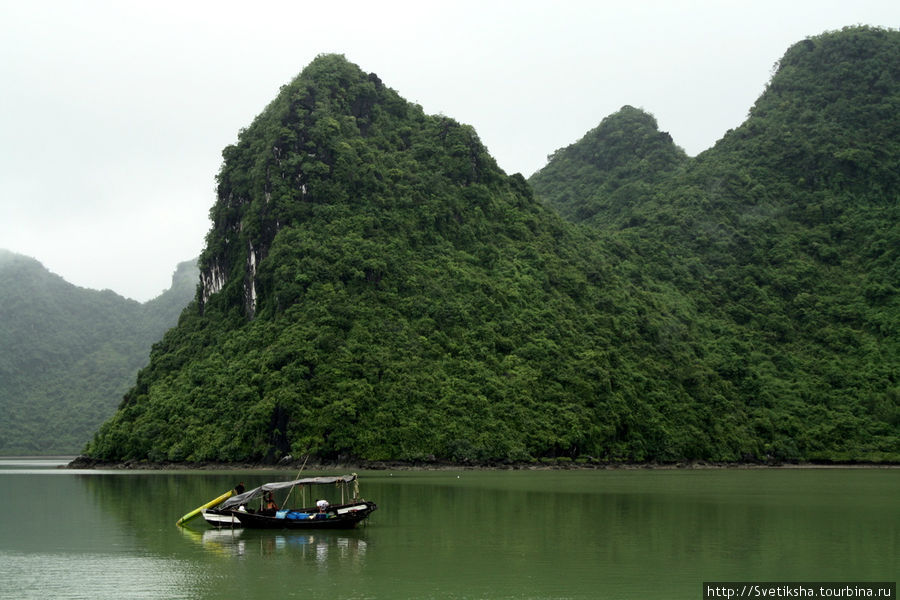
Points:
[[113, 114]]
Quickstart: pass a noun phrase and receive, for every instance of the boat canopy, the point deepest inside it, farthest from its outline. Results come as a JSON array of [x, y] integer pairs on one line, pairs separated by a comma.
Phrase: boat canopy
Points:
[[280, 485]]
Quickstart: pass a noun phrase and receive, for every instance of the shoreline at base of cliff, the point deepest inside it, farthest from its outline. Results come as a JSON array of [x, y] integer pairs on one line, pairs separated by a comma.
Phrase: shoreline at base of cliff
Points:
[[84, 462]]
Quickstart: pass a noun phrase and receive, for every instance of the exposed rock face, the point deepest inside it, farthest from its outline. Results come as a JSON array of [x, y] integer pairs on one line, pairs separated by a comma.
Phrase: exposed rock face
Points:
[[212, 280]]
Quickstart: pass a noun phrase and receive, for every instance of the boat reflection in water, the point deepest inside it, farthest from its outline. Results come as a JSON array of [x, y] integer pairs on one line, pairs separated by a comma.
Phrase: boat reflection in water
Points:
[[321, 547]]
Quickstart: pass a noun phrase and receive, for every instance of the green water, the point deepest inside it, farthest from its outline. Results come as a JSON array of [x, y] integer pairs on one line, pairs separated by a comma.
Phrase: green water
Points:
[[451, 534]]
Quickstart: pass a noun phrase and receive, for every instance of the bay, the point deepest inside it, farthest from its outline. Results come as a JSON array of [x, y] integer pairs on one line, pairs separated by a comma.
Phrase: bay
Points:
[[450, 534]]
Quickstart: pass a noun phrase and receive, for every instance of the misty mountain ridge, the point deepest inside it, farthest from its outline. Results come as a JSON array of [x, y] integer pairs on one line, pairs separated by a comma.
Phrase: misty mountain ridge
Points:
[[67, 354]]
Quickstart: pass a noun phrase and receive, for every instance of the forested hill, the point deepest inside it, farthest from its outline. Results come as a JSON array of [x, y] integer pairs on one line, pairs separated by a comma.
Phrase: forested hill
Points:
[[785, 236], [610, 168], [375, 287], [68, 354]]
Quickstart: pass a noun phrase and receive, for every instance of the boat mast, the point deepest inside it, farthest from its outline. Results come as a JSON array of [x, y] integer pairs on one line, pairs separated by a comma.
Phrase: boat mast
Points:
[[297, 477]]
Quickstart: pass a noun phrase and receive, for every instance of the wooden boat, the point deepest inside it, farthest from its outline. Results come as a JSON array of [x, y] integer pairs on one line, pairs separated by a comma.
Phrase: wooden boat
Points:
[[238, 510]]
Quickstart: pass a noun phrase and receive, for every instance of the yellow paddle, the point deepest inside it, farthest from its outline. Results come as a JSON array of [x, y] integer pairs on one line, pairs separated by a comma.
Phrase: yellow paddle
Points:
[[209, 504]]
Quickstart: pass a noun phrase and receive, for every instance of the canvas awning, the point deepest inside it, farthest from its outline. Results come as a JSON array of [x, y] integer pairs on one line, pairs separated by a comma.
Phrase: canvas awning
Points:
[[236, 501]]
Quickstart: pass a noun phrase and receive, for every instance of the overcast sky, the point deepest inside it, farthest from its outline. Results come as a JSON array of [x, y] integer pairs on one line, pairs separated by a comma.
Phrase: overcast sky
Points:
[[113, 114]]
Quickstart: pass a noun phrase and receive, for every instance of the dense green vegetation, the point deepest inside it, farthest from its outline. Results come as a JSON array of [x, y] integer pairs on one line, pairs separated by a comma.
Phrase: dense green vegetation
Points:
[[375, 287], [68, 354], [785, 236], [612, 167]]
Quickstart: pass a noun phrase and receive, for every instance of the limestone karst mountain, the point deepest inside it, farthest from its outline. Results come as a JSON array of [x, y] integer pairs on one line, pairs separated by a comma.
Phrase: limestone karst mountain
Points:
[[375, 287]]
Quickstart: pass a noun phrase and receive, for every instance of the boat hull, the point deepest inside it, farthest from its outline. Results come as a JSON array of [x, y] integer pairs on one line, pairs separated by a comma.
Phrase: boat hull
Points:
[[345, 516], [220, 518]]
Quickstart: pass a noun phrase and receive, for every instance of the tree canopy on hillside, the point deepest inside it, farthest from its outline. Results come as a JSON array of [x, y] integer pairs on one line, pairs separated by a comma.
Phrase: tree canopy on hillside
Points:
[[375, 287], [68, 354], [785, 233]]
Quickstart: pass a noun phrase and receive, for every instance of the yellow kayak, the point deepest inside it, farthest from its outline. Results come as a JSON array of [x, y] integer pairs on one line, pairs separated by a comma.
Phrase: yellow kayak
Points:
[[209, 504]]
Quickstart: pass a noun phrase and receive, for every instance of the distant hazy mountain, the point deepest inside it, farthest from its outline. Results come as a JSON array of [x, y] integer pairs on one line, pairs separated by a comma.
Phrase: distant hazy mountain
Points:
[[68, 354]]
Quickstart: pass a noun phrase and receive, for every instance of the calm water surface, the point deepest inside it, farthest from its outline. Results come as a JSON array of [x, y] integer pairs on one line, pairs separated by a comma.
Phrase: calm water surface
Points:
[[451, 534]]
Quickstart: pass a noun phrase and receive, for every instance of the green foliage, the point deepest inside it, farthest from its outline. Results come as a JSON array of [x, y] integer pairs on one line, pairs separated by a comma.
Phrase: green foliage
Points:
[[785, 236], [374, 287], [610, 168], [67, 354]]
